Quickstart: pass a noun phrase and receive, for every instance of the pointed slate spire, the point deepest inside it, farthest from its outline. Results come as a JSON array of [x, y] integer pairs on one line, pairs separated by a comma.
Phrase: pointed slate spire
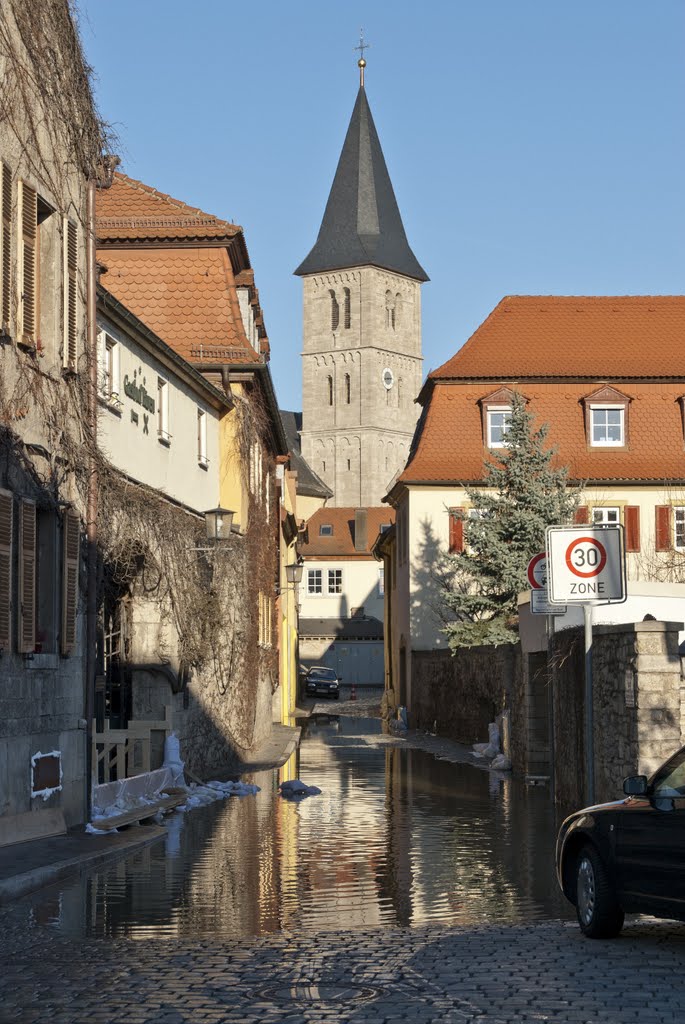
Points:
[[362, 225]]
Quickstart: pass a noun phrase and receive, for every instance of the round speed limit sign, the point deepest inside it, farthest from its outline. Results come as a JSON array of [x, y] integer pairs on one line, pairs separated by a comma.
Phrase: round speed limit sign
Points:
[[586, 557]]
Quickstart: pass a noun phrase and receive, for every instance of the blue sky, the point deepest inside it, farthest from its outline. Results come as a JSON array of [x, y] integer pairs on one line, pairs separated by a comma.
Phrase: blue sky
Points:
[[535, 146]]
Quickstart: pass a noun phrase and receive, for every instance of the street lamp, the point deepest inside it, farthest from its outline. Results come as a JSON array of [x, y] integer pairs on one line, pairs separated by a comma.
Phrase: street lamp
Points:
[[293, 576], [218, 523], [293, 573]]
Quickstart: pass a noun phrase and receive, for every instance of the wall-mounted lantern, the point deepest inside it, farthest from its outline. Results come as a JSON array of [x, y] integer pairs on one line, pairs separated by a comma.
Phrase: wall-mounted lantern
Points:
[[218, 522]]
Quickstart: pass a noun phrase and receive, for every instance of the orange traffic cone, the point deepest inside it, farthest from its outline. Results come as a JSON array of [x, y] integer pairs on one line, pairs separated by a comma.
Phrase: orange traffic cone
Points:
[[353, 692]]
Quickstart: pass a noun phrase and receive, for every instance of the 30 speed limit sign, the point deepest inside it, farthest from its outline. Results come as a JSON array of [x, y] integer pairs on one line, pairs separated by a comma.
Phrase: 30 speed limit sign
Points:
[[585, 563]]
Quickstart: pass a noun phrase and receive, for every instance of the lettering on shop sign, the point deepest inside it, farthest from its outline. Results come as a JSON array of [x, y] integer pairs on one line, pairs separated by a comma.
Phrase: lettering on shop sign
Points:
[[138, 393], [134, 417]]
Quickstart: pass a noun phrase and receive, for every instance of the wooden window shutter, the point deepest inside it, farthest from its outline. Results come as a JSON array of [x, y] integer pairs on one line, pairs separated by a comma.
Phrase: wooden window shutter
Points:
[[456, 542], [28, 227], [70, 293], [27, 577], [5, 245], [70, 572], [6, 521], [582, 514], [631, 521], [663, 527]]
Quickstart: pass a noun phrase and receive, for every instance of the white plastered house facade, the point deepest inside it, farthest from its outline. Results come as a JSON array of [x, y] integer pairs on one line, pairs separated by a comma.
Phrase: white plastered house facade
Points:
[[619, 429]]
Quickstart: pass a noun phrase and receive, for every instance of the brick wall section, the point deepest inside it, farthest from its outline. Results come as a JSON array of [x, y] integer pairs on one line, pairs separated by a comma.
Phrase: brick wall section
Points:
[[461, 694], [636, 705]]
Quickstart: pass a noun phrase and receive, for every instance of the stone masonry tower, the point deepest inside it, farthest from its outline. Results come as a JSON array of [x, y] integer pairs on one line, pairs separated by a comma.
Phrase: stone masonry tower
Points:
[[361, 327]]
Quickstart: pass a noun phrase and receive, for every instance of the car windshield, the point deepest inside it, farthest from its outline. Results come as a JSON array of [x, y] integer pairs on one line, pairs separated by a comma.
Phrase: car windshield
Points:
[[322, 673], [670, 780]]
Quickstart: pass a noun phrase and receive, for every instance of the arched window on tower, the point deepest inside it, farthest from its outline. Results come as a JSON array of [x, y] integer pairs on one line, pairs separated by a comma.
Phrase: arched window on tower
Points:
[[335, 311], [329, 386], [398, 310], [399, 392], [389, 311], [347, 309], [348, 389]]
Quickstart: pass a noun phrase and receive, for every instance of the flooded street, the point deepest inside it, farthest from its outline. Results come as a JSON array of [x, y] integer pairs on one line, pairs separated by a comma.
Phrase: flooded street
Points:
[[396, 837]]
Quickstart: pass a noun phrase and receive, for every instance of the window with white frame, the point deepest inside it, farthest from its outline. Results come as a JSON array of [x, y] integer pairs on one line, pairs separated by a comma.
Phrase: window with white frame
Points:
[[325, 530], [163, 411], [607, 425], [499, 421], [381, 582], [335, 581], [679, 527], [314, 581], [108, 370], [606, 516], [202, 438]]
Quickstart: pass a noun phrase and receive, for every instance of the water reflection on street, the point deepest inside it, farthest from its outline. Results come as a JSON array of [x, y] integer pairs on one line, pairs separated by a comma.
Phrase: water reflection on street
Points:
[[396, 837]]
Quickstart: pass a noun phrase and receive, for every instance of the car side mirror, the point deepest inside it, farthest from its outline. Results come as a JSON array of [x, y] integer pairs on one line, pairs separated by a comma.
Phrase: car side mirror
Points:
[[635, 785]]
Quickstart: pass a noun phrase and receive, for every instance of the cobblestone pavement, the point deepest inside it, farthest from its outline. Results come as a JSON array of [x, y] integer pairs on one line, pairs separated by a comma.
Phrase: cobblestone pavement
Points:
[[546, 972]]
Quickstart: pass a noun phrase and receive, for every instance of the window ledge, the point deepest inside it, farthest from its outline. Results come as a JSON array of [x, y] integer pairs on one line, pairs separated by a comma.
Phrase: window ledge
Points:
[[113, 404]]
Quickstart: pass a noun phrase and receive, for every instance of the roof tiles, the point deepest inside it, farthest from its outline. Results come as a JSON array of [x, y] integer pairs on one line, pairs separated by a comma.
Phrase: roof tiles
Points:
[[341, 543], [617, 337]]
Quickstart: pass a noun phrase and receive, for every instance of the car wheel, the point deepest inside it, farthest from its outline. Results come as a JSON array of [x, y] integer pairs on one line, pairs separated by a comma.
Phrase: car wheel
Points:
[[597, 909]]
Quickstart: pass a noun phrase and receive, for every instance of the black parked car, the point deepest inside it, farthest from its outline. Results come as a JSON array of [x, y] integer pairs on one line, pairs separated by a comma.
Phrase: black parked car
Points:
[[322, 682], [627, 856]]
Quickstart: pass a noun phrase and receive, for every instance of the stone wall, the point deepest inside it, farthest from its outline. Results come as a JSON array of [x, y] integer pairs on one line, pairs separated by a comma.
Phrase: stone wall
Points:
[[460, 694], [636, 706]]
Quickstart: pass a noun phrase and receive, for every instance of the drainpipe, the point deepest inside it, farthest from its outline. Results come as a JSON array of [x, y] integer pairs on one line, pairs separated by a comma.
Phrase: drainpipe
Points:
[[92, 500]]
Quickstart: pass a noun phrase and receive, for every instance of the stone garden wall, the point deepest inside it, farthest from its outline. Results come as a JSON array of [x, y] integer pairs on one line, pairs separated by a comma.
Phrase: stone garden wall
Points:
[[636, 706], [460, 694]]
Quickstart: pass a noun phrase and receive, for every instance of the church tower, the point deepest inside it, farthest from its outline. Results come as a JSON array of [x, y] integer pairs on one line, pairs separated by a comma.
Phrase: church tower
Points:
[[361, 327]]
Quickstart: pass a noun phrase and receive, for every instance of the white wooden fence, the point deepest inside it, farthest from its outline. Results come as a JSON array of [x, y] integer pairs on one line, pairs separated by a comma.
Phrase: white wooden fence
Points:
[[125, 752]]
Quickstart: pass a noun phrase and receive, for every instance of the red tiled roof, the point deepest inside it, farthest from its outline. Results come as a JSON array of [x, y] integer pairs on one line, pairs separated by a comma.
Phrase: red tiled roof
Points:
[[341, 543], [449, 444], [186, 296], [617, 337], [131, 210]]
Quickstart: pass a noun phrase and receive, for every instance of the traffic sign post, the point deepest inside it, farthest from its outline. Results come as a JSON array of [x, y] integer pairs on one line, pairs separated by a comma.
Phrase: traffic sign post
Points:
[[586, 565]]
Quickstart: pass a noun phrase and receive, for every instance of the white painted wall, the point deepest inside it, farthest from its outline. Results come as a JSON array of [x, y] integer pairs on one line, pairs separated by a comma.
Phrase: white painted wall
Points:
[[173, 469], [428, 534], [359, 589]]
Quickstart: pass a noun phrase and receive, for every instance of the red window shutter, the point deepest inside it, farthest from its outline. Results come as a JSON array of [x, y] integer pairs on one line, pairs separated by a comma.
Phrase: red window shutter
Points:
[[663, 515], [631, 521], [27, 577], [582, 514], [6, 519], [70, 567], [456, 542], [5, 246]]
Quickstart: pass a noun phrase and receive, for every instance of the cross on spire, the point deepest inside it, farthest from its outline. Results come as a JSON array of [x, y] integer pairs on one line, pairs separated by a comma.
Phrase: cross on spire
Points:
[[361, 63]]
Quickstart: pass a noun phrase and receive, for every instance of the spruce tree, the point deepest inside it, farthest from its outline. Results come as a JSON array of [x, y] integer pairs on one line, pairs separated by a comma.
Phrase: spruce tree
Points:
[[522, 495]]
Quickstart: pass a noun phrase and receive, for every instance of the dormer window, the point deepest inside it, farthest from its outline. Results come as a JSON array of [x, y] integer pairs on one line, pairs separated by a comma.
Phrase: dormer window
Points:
[[496, 416], [606, 418], [326, 530], [607, 425], [498, 423]]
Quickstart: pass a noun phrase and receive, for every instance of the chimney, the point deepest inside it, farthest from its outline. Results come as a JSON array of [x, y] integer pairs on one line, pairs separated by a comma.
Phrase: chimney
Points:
[[360, 530]]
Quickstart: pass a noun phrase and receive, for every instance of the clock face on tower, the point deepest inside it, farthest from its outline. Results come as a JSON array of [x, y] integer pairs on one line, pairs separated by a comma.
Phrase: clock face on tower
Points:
[[388, 378]]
